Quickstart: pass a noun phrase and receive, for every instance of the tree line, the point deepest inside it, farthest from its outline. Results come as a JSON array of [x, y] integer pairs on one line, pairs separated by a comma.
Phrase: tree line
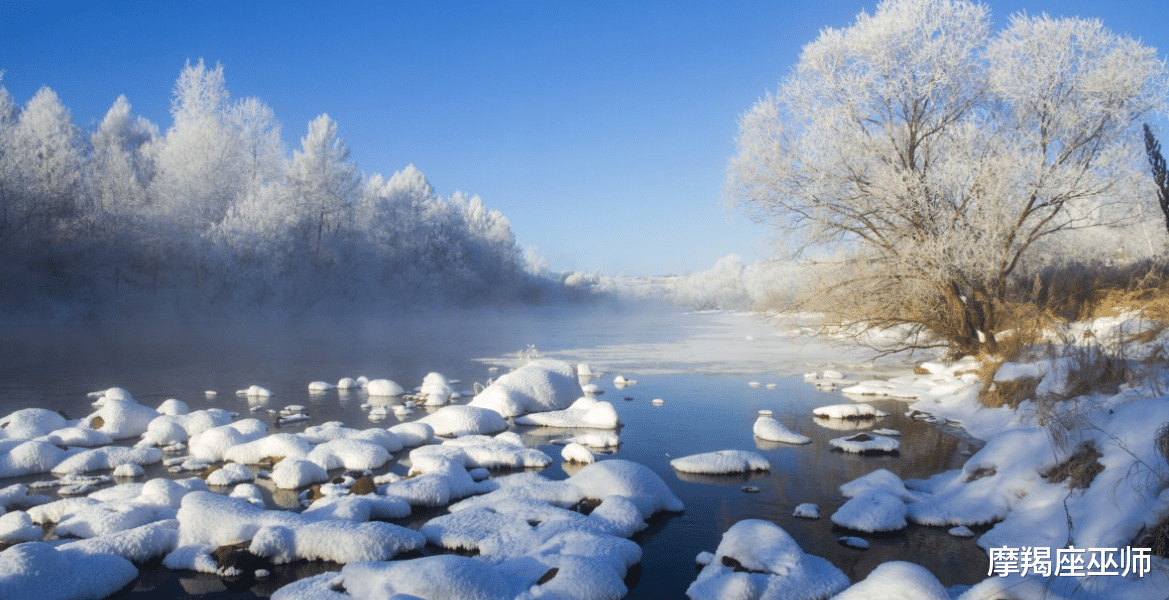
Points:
[[215, 214]]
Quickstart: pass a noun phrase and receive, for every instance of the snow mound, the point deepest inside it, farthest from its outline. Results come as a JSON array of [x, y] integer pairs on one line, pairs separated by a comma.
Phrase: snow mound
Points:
[[38, 570], [873, 511], [413, 434], [29, 423], [849, 411], [436, 389], [586, 412], [108, 457], [866, 443], [230, 474], [577, 453], [757, 559], [879, 480], [211, 445], [458, 420], [277, 445], [721, 462], [539, 386], [771, 430], [384, 388], [293, 473], [807, 510], [896, 580], [31, 457], [121, 419], [349, 454]]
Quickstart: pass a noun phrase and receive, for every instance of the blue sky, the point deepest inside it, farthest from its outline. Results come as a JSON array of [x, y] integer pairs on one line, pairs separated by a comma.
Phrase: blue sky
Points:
[[600, 128]]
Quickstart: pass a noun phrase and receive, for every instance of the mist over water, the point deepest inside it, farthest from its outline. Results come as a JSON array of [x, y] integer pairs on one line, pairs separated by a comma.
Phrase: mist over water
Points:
[[700, 364]]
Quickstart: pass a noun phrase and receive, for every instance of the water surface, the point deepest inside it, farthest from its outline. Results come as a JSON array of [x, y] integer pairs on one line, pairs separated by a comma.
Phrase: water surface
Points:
[[701, 364]]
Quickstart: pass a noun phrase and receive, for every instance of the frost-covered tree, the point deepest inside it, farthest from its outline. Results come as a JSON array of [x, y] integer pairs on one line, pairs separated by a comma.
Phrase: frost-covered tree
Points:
[[40, 169], [121, 166], [940, 155], [323, 186], [201, 168]]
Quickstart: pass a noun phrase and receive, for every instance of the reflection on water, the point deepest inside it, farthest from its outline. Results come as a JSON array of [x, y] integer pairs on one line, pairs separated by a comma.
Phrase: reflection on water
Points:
[[707, 408]]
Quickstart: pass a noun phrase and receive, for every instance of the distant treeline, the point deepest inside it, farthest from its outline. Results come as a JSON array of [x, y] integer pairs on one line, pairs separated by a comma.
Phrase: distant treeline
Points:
[[216, 215]]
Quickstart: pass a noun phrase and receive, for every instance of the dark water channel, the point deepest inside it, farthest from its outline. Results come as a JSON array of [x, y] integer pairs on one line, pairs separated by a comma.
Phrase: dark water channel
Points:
[[54, 366]]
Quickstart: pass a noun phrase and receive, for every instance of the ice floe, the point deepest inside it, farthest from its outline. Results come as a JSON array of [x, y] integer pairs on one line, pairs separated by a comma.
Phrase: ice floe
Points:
[[722, 461]]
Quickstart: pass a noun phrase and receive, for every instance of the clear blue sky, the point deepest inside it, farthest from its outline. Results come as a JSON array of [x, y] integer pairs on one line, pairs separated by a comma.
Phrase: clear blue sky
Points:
[[600, 128]]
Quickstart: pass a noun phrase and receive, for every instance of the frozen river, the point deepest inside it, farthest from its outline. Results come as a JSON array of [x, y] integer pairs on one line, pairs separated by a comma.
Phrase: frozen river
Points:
[[702, 365]]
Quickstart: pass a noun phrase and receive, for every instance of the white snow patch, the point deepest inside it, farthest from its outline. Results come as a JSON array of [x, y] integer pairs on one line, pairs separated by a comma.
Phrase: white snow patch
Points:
[[721, 462]]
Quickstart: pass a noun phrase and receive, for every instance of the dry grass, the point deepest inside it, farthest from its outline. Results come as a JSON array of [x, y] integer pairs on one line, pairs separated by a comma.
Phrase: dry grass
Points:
[[1007, 393], [1079, 469]]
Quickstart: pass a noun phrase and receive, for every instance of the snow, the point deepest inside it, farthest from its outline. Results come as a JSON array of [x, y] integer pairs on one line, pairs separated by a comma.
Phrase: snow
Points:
[[208, 520], [872, 511], [896, 580], [318, 387], [456, 420], [768, 429], [31, 457], [169, 429], [37, 570], [108, 457], [349, 453], [849, 411], [293, 473], [882, 480], [211, 445], [384, 387], [17, 526], [601, 440], [577, 453], [807, 510], [336, 431], [539, 386], [436, 390], [121, 419], [863, 443], [128, 470], [585, 412], [254, 391], [78, 436], [172, 407], [230, 474], [772, 566], [413, 434], [722, 462], [276, 445], [28, 423]]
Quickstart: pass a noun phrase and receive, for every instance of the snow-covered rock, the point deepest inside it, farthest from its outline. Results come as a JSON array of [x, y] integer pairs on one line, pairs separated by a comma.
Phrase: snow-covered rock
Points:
[[585, 412], [539, 386], [457, 420], [768, 429], [872, 511], [758, 559], [722, 461]]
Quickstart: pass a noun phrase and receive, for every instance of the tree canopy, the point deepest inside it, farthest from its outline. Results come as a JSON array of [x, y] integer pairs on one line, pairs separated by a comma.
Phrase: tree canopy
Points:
[[939, 156]]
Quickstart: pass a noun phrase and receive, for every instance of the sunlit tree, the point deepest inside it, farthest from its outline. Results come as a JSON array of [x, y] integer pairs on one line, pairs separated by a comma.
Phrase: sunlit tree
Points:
[[939, 155]]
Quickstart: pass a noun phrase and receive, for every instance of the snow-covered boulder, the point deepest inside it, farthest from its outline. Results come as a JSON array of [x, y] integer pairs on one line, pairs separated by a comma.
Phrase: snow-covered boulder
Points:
[[849, 411], [721, 462], [872, 511], [586, 412], [866, 443], [896, 580], [758, 559], [457, 420], [384, 388], [539, 386], [38, 570], [768, 429], [28, 423]]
